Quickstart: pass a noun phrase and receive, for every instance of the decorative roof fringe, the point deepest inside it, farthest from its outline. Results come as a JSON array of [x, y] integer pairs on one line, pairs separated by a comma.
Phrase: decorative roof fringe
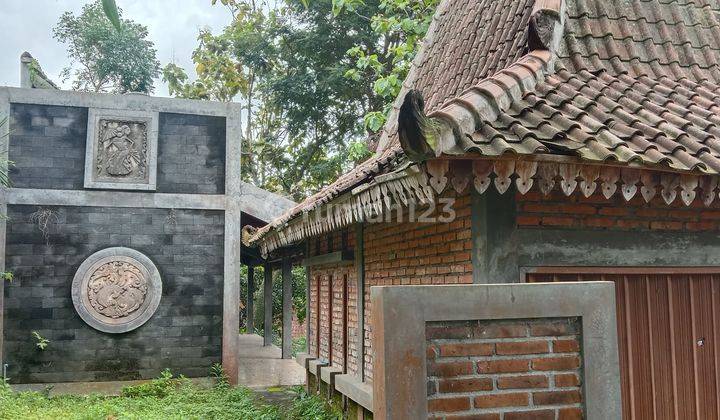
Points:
[[422, 185]]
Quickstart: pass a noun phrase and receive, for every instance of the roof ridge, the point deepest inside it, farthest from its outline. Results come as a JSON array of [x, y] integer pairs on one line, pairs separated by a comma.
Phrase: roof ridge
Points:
[[489, 98], [461, 116]]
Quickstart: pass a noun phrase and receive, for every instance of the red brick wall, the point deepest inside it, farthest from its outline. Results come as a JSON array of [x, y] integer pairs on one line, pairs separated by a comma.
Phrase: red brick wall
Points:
[[515, 369], [395, 253], [416, 253], [339, 273], [596, 212]]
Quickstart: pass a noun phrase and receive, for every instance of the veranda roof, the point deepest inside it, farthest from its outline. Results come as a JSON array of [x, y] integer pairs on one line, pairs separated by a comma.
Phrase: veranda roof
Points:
[[628, 83]]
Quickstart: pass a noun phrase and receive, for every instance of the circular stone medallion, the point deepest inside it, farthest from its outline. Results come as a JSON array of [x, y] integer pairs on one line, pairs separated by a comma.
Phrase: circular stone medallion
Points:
[[116, 290]]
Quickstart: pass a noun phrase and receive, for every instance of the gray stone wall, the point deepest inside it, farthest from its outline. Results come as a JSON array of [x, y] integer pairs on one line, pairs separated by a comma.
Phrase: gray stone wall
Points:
[[183, 335], [191, 154], [47, 146]]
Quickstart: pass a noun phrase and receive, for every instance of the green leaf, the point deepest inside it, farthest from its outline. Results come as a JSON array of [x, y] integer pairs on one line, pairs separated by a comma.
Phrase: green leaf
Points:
[[111, 11]]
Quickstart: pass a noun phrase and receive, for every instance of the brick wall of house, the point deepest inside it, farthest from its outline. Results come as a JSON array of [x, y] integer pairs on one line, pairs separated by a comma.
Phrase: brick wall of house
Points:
[[396, 253], [339, 274], [511, 369], [416, 253], [596, 212]]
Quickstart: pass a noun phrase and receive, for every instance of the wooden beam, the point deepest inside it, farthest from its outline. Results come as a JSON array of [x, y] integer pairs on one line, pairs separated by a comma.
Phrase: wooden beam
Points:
[[331, 258], [249, 304], [307, 298], [360, 287], [287, 309], [268, 306]]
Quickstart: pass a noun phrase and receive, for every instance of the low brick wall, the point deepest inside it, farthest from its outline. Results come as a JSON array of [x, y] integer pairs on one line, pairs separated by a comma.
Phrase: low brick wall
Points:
[[513, 369], [496, 351]]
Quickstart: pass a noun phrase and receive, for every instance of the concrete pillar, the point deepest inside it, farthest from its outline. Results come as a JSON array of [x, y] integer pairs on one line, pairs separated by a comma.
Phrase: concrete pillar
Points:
[[249, 304], [360, 288], [287, 309], [25, 79], [307, 297], [267, 299], [494, 250]]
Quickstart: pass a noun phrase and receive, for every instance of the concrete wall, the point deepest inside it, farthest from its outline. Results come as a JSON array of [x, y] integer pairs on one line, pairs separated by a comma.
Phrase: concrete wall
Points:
[[185, 332], [191, 154], [436, 347], [47, 147], [185, 236]]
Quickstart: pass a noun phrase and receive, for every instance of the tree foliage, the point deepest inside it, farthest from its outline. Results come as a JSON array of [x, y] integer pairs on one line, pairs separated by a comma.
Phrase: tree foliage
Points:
[[314, 77], [286, 64], [106, 59], [399, 26]]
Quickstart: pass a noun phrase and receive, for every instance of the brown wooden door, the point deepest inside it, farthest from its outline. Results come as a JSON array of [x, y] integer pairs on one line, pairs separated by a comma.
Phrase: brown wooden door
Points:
[[669, 336]]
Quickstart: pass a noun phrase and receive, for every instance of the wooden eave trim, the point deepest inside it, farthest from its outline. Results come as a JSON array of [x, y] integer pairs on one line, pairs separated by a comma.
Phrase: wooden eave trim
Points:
[[338, 257]]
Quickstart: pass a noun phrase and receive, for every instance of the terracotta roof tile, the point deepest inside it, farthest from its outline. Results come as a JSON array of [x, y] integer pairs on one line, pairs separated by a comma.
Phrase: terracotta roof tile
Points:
[[629, 81]]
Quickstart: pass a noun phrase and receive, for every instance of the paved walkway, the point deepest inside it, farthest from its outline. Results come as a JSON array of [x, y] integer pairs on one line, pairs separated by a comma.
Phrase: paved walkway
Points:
[[87, 388], [262, 366]]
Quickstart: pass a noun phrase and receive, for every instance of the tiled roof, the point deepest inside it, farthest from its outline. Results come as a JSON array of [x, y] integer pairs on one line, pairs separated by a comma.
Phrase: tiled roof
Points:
[[467, 41], [635, 81], [629, 81]]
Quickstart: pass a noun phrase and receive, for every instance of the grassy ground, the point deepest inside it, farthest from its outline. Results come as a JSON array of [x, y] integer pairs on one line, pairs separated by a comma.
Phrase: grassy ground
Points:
[[166, 398]]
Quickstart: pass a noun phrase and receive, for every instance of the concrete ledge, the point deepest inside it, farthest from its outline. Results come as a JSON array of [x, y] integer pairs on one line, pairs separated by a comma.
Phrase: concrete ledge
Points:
[[336, 257], [353, 388], [327, 375], [260, 373], [315, 365], [132, 101], [88, 198], [303, 359]]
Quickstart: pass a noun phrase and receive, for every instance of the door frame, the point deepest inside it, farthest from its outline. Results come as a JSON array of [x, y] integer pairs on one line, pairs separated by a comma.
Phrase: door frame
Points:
[[588, 269]]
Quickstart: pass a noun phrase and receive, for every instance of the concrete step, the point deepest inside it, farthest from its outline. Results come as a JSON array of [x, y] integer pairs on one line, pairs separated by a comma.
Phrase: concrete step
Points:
[[251, 346], [256, 373]]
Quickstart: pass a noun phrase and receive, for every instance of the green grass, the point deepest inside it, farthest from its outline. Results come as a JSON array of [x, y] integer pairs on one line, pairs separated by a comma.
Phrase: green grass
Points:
[[163, 398]]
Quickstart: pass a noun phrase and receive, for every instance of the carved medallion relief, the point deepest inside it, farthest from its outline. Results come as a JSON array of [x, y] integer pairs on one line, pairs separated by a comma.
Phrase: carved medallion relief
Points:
[[116, 290], [121, 150]]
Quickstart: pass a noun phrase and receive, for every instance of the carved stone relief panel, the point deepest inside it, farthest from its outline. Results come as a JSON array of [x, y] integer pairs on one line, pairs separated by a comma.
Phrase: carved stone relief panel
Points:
[[121, 150], [116, 290]]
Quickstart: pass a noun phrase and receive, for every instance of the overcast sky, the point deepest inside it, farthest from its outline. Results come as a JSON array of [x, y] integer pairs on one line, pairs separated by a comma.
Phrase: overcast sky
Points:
[[173, 26]]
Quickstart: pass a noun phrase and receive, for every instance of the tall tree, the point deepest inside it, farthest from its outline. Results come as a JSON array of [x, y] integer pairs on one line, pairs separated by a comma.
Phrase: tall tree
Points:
[[286, 63], [399, 26], [105, 58]]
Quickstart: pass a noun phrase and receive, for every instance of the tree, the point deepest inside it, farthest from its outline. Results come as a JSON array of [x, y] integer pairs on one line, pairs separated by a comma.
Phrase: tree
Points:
[[287, 64], [400, 26], [103, 58]]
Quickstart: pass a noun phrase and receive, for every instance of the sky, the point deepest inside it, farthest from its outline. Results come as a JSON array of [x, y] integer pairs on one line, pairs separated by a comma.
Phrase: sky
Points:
[[173, 26]]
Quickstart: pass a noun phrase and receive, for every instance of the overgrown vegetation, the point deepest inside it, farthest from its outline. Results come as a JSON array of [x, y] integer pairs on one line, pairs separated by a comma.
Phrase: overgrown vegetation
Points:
[[40, 342], [313, 407], [167, 397]]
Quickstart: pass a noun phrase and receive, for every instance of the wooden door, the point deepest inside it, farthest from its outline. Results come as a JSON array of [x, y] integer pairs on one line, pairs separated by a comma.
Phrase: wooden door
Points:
[[668, 333]]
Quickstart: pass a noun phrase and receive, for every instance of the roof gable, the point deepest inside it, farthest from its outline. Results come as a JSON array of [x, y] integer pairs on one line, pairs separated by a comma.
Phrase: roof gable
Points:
[[621, 82]]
